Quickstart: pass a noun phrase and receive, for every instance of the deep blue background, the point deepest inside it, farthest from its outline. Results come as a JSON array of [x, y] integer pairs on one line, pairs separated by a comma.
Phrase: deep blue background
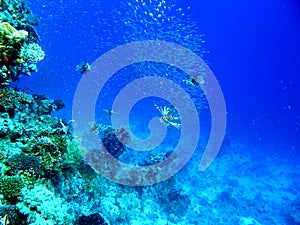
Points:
[[254, 53]]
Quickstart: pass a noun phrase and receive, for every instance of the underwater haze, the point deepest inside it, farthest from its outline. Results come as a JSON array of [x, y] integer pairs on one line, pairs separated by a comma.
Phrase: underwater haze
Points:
[[253, 50], [119, 144]]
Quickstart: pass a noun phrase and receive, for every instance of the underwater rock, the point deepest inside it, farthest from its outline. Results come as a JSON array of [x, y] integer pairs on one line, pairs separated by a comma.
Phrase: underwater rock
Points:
[[177, 202], [226, 198], [59, 104], [46, 106], [93, 219], [114, 141]]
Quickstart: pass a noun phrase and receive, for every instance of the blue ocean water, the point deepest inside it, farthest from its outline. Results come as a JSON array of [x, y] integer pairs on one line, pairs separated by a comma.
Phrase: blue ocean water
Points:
[[253, 50]]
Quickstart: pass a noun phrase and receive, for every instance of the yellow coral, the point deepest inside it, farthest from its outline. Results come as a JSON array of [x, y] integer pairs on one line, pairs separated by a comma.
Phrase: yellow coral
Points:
[[11, 34]]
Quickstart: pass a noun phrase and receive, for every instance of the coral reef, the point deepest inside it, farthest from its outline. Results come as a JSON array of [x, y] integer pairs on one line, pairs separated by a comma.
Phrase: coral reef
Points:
[[44, 179], [11, 186], [31, 52], [35, 147], [18, 42], [17, 13]]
